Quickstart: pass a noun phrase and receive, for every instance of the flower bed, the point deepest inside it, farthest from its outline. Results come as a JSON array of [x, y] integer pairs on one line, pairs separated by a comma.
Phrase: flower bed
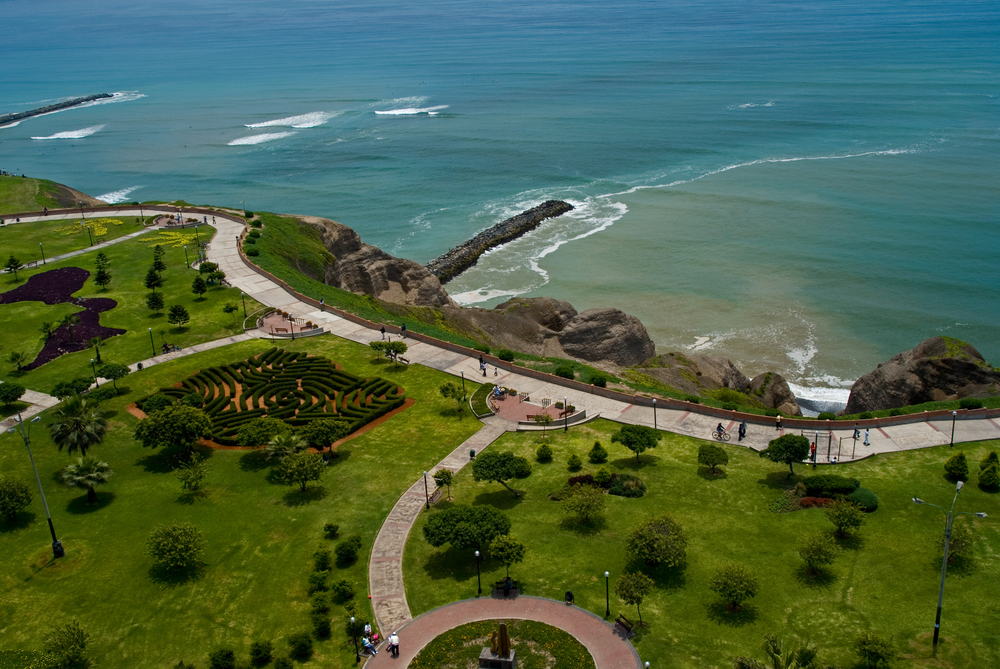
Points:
[[55, 287]]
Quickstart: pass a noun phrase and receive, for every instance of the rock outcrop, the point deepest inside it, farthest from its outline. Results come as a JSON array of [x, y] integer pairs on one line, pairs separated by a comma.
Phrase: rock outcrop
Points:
[[366, 269], [940, 368], [773, 391]]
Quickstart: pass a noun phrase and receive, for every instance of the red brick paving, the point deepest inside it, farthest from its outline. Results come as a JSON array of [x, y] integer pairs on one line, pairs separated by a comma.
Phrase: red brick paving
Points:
[[607, 647]]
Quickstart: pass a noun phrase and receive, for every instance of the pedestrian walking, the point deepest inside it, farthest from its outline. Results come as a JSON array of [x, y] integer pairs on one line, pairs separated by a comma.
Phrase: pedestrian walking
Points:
[[496, 371], [482, 366], [857, 432], [777, 422], [812, 452], [404, 331], [383, 332], [866, 437], [743, 430], [394, 644]]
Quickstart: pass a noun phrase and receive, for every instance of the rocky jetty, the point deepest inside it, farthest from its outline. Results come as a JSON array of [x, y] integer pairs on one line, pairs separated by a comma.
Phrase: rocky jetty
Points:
[[20, 116], [362, 268], [464, 256], [937, 369]]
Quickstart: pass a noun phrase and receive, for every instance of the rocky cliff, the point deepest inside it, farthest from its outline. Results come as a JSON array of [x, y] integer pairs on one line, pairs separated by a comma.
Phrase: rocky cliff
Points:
[[940, 368]]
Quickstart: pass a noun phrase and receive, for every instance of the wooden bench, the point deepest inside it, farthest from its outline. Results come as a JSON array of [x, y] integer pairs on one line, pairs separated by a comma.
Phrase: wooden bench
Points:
[[624, 625], [403, 360], [515, 588]]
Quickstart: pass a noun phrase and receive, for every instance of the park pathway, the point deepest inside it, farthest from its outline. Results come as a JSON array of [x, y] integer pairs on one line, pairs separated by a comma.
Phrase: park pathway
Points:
[[607, 647]]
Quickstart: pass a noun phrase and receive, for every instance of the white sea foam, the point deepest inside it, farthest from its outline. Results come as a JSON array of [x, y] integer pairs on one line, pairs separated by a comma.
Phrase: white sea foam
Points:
[[260, 139], [820, 394], [75, 134], [412, 110], [11, 125], [750, 105], [121, 96], [114, 197], [310, 120]]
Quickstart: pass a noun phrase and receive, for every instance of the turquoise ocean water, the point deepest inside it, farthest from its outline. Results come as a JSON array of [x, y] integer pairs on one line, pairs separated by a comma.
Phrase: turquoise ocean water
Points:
[[808, 187]]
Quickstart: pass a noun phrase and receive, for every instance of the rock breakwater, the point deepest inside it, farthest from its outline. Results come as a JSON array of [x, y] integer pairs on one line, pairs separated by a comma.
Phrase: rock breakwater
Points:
[[465, 255], [19, 116]]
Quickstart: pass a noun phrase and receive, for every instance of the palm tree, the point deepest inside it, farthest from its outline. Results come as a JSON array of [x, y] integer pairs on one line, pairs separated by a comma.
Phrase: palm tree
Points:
[[17, 358], [85, 473], [284, 444], [79, 424], [69, 321], [96, 343], [778, 657], [46, 329]]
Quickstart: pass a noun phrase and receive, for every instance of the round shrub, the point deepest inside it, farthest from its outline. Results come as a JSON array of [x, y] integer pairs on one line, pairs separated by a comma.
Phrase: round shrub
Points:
[[865, 498], [317, 582], [342, 590], [330, 531], [283, 663], [603, 477], [254, 234], [176, 545], [693, 399], [300, 646], [989, 478], [256, 224], [261, 652], [347, 550], [156, 402], [896, 412], [248, 214], [322, 560], [827, 415], [482, 348], [505, 355], [599, 380], [970, 403], [193, 400], [224, 658], [250, 240], [253, 253], [522, 468], [565, 371], [598, 453], [15, 494], [866, 415], [320, 602], [574, 462], [103, 393], [321, 624], [544, 453], [627, 485]]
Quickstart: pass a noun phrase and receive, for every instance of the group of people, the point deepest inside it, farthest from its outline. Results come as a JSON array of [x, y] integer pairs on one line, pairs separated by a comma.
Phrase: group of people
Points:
[[370, 641], [720, 430]]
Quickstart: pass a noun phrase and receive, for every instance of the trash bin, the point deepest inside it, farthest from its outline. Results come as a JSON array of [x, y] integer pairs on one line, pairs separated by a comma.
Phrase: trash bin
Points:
[[472, 454]]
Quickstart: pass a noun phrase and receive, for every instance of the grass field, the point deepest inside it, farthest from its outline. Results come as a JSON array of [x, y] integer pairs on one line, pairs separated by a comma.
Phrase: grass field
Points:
[[260, 535], [18, 194], [58, 237], [885, 580], [129, 262]]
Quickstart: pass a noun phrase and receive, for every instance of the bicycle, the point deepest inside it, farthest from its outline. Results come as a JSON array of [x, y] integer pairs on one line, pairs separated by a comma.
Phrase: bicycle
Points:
[[723, 436]]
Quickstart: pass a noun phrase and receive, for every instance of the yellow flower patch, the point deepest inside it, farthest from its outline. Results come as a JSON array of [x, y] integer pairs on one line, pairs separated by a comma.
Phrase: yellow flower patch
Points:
[[99, 226], [173, 240]]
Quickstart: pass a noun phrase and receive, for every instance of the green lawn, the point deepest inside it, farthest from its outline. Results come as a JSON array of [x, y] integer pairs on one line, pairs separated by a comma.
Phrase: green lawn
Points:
[[58, 237], [260, 535], [18, 194], [129, 262], [885, 581]]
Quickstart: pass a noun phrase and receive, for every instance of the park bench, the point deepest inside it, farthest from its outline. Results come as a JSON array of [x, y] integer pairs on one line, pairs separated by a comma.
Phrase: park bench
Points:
[[403, 360], [515, 588], [624, 625]]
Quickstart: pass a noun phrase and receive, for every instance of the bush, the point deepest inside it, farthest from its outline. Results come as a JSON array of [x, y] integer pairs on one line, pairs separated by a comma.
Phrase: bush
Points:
[[248, 214], [176, 545], [735, 583], [224, 658], [627, 485], [283, 662], [250, 240], [962, 542], [896, 412], [990, 459], [544, 453], [866, 415], [599, 380], [598, 453], [317, 582], [330, 531], [505, 355], [847, 517], [957, 467], [322, 560], [65, 647], [320, 624], [256, 224], [864, 498], [574, 462], [827, 415], [253, 253], [603, 477], [522, 468], [342, 590], [64, 389], [582, 479], [817, 550], [103, 393], [347, 550], [261, 652], [693, 399], [320, 602], [193, 400], [658, 541], [15, 494], [565, 371], [482, 348], [827, 485], [874, 649], [814, 502], [300, 646], [254, 234], [970, 403], [989, 478]]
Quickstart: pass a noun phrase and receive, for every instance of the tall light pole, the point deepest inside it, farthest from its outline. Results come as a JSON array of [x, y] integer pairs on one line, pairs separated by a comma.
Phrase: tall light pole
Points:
[[94, 366], [565, 415], [479, 579], [354, 635], [244, 296], [57, 548], [151, 344], [82, 217], [91, 235], [42, 251], [186, 262], [947, 539], [954, 415], [463, 385], [427, 495], [607, 594], [654, 413]]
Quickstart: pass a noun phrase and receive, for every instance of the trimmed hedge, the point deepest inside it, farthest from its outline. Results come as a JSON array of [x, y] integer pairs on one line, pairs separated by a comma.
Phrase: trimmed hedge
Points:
[[865, 498], [827, 485]]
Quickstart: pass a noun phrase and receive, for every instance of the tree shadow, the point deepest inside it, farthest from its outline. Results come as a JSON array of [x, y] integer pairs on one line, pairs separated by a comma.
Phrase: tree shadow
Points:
[[854, 542], [670, 579], [452, 564], [171, 578], [22, 520], [961, 567], [720, 615], [453, 413], [988, 491], [633, 465], [192, 496], [779, 481], [577, 526], [706, 473], [254, 461], [299, 498], [823, 578], [162, 461], [502, 499], [78, 505]]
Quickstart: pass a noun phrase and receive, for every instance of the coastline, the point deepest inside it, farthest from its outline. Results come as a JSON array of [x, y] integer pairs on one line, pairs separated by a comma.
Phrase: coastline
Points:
[[8, 119]]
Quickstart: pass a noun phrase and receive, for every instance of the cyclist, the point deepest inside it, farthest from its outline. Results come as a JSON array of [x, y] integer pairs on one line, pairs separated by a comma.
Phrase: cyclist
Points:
[[720, 430]]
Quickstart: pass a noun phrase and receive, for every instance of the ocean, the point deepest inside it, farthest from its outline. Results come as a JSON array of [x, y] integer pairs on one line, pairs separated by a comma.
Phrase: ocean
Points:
[[804, 187]]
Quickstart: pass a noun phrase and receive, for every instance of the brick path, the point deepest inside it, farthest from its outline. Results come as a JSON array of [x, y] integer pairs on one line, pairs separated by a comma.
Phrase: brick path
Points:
[[607, 647]]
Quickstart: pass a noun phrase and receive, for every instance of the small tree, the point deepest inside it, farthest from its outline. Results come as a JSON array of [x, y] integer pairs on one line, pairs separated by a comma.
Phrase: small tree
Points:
[[962, 543], [192, 473], [508, 549], [102, 261], [957, 467], [598, 453], [443, 477], [585, 501], [632, 588], [199, 287], [177, 425], [658, 541], [496, 467], [15, 494], [465, 526], [13, 265], [85, 473], [300, 646], [301, 468], [102, 277], [261, 652], [47, 328], [153, 280], [10, 393], [176, 545], [847, 518], [347, 550], [789, 449], [70, 321], [544, 420], [991, 459], [323, 432], [544, 453], [178, 316], [207, 267], [283, 445], [396, 349], [66, 646], [231, 309], [989, 478], [574, 462], [114, 372], [453, 391], [378, 348], [223, 658], [18, 359], [817, 550], [95, 343], [216, 277], [158, 255], [735, 583], [876, 651], [636, 438], [154, 301], [712, 456], [260, 431]]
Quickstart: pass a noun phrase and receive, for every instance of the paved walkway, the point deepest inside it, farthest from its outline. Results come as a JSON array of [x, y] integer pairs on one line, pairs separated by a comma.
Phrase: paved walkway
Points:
[[39, 402], [607, 647]]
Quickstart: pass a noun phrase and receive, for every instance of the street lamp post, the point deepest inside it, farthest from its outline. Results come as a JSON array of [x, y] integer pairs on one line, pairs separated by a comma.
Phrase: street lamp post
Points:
[[947, 539], [354, 635], [427, 495], [463, 385], [142, 216], [607, 594], [42, 251], [186, 261], [152, 345], [244, 296], [57, 548], [565, 415], [91, 235], [94, 366], [479, 579], [82, 217], [954, 415]]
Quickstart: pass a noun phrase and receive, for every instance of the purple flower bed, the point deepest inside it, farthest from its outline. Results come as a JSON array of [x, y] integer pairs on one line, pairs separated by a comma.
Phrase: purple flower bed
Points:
[[55, 287]]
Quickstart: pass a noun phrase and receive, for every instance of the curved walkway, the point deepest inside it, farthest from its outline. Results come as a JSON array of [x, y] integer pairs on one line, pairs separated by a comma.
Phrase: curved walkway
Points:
[[607, 647]]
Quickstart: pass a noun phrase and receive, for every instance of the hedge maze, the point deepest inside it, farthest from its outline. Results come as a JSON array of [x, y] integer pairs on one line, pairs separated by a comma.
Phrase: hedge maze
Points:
[[290, 386]]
